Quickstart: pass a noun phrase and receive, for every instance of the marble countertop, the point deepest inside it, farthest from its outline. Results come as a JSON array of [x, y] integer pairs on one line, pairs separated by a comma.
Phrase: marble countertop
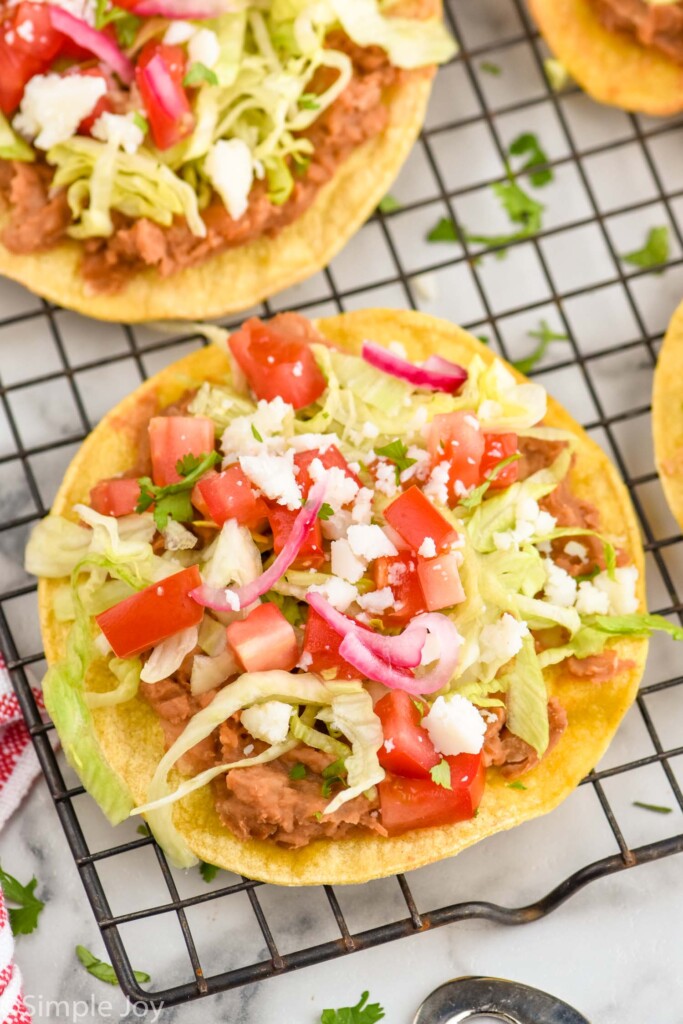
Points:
[[613, 950]]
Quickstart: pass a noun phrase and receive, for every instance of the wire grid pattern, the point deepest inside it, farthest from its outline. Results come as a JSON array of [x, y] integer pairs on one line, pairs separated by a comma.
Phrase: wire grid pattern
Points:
[[72, 370]]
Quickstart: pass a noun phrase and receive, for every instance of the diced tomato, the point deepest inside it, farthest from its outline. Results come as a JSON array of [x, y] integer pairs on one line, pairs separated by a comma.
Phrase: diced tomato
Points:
[[322, 643], [229, 495], [330, 459], [496, 448], [457, 438], [167, 128], [264, 640], [104, 103], [171, 438], [197, 497], [28, 45], [117, 497], [281, 519], [407, 748], [421, 803], [277, 361], [415, 518], [440, 581], [153, 614], [400, 573]]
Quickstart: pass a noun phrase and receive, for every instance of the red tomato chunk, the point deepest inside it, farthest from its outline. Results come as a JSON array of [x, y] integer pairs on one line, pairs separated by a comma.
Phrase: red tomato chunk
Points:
[[28, 45], [400, 573], [117, 497], [281, 519], [496, 448], [173, 437], [407, 749], [421, 803], [169, 112], [277, 361], [153, 614], [440, 581], [229, 495], [264, 640], [457, 438], [414, 517], [322, 643], [330, 459]]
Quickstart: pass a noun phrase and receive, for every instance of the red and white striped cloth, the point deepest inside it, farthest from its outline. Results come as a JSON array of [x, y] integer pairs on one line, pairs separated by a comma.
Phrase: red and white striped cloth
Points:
[[18, 768]]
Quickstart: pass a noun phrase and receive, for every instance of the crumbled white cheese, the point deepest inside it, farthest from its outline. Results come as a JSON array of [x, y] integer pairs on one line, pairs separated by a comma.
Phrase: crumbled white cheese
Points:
[[560, 587], [120, 129], [177, 537], [311, 442], [621, 591], [344, 562], [337, 525], [385, 478], [576, 550], [398, 349], [389, 745], [377, 601], [340, 489], [53, 106], [500, 641], [274, 477], [305, 661], [532, 521], [455, 726], [421, 465], [204, 48], [590, 600], [426, 287], [268, 722], [436, 487], [370, 430], [338, 592], [370, 542], [179, 32], [26, 32], [229, 167], [271, 421], [427, 548], [362, 507]]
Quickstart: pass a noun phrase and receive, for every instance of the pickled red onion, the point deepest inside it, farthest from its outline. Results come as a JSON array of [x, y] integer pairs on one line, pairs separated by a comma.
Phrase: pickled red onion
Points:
[[404, 651], [183, 10], [94, 41], [231, 599], [162, 86], [436, 374]]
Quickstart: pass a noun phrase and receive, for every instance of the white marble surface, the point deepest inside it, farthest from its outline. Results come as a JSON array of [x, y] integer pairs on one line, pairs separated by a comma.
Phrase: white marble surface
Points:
[[614, 949]]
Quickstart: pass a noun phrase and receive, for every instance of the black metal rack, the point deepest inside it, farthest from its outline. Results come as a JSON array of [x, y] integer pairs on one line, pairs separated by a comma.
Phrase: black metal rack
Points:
[[26, 453]]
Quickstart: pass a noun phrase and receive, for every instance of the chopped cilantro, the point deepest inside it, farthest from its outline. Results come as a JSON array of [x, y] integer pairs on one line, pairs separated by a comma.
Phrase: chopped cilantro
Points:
[[389, 204], [208, 871], [528, 143], [489, 68], [256, 434], [173, 501], [657, 808], [199, 73], [326, 511], [101, 970], [477, 495], [318, 815], [141, 122], [142, 830], [654, 253], [419, 704], [441, 774], [332, 775], [444, 231], [483, 338], [362, 1013], [397, 453], [23, 918], [126, 25], [309, 101], [519, 206], [545, 336], [297, 771], [516, 785]]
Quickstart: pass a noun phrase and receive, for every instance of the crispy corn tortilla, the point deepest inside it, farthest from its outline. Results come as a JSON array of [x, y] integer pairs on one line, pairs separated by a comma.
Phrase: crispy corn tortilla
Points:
[[609, 66], [131, 736], [240, 278], [667, 415]]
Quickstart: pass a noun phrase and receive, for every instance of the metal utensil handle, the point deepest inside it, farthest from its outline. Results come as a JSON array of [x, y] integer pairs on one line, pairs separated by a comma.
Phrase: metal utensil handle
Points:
[[465, 998]]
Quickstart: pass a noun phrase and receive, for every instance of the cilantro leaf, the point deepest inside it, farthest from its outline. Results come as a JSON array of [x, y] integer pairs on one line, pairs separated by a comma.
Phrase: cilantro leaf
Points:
[[101, 970], [141, 122], [126, 24], [362, 1013], [397, 453], [389, 204], [199, 73], [208, 871], [657, 808], [516, 785], [444, 231], [325, 511], [297, 771], [309, 101], [333, 774], [489, 68], [441, 774], [256, 434], [174, 500], [654, 253], [477, 496], [519, 206], [142, 830], [545, 336], [23, 918], [483, 338], [528, 143]]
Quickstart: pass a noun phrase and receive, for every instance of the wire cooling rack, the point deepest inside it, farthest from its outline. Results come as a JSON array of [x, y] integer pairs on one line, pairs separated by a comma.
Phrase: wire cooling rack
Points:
[[615, 176]]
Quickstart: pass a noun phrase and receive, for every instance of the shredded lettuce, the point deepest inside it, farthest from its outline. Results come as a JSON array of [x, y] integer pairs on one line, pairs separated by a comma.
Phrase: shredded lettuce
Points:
[[232, 558], [12, 146], [167, 657], [127, 672], [410, 44], [527, 699], [500, 402], [220, 404], [353, 715], [210, 672], [633, 625], [306, 734], [55, 547]]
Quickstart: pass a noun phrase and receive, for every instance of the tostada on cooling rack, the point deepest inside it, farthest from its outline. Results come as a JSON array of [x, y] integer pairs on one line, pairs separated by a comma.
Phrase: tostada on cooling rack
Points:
[[316, 601]]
